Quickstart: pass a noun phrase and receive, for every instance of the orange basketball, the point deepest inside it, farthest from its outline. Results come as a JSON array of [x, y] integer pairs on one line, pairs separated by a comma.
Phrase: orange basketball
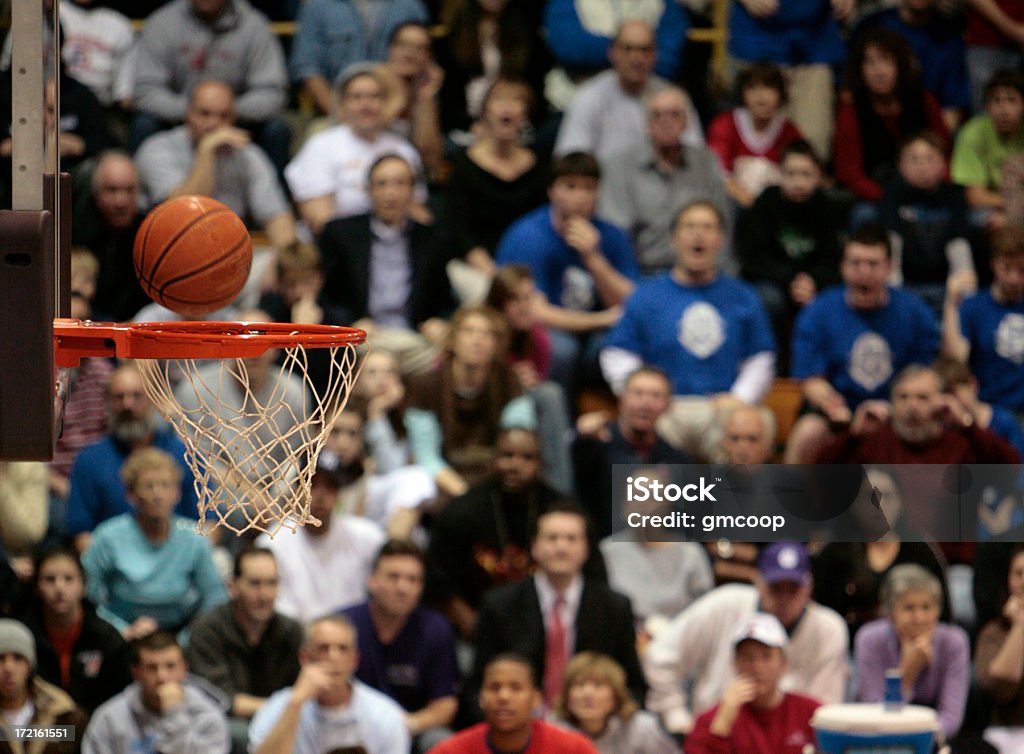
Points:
[[192, 255]]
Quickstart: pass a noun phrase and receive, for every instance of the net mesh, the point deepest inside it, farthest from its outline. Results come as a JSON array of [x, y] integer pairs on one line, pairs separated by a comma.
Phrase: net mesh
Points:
[[253, 429]]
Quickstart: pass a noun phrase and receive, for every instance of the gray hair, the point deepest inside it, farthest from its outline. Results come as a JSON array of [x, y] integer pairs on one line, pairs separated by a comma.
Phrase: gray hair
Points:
[[909, 578]]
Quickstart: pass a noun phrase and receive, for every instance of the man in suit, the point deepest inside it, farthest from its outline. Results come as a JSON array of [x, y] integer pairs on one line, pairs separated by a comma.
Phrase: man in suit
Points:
[[385, 269], [558, 612]]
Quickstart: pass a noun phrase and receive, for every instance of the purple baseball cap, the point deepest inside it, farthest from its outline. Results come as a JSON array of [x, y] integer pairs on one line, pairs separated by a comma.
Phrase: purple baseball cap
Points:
[[785, 561]]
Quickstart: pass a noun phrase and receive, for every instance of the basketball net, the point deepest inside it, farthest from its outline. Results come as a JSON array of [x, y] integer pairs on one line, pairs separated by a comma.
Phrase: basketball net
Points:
[[252, 453]]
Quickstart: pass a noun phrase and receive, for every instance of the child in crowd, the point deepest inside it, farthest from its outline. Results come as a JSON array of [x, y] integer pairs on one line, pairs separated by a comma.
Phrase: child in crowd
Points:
[[986, 143], [749, 139], [788, 242], [927, 217]]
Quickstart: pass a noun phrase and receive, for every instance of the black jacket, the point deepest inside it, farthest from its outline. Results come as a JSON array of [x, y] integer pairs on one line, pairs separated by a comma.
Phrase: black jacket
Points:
[[100, 659], [511, 621], [345, 245]]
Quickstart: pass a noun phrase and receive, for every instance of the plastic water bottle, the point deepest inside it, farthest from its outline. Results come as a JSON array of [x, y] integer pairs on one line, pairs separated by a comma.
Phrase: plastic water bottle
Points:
[[893, 690]]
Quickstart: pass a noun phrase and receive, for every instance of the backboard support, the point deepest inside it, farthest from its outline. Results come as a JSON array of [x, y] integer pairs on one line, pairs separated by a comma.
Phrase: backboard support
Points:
[[34, 252]]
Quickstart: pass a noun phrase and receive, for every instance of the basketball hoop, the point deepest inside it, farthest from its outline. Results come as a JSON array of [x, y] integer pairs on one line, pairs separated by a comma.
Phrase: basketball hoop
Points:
[[253, 455]]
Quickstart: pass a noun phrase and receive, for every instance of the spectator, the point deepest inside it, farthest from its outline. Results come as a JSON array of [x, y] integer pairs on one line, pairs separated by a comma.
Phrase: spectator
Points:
[[958, 381], [607, 112], [848, 576], [99, 51], [884, 103], [456, 410], [982, 330], [999, 661], [105, 218], [583, 266], [342, 545], [595, 701], [394, 500], [24, 505], [97, 492], [628, 438], [851, 340], [514, 295], [414, 81], [691, 647], [80, 121], [708, 332], [938, 45], [645, 186], [933, 658], [244, 647], [387, 269], [380, 385], [581, 36], [481, 539], [150, 569], [334, 34], [749, 140], [508, 698], [486, 41], [163, 710], [921, 426], [928, 217], [328, 177], [994, 32], [328, 708], [26, 700], [407, 651], [787, 243], [209, 156], [755, 715], [76, 650], [986, 143], [495, 181], [188, 41], [554, 615]]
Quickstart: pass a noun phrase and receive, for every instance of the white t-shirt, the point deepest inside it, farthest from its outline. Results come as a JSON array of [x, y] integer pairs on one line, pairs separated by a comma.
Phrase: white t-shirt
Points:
[[336, 161], [324, 574]]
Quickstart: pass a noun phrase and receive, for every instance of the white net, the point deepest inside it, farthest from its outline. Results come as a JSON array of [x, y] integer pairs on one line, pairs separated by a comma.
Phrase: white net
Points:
[[253, 429]]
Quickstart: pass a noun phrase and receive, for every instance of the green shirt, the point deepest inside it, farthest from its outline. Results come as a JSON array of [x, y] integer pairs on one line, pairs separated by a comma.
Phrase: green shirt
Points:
[[980, 153]]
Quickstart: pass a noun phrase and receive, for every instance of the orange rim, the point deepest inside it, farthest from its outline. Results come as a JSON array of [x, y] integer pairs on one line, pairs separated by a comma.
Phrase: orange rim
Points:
[[74, 339]]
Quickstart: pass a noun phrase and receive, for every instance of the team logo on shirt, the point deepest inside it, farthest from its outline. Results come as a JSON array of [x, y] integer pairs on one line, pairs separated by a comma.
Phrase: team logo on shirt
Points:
[[1010, 338], [870, 361], [701, 329]]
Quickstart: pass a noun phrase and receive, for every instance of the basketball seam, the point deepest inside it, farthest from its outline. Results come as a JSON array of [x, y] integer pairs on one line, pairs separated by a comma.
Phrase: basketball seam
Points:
[[140, 263], [212, 263], [167, 247]]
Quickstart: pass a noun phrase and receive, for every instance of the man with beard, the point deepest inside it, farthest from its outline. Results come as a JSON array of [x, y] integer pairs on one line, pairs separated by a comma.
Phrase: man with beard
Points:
[[105, 219], [97, 492], [920, 425], [244, 647]]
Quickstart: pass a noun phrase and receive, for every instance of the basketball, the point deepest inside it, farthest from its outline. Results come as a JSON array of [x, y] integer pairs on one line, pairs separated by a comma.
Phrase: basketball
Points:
[[192, 255]]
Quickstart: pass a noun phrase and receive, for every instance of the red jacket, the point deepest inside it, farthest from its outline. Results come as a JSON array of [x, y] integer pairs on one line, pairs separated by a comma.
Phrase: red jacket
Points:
[[783, 730]]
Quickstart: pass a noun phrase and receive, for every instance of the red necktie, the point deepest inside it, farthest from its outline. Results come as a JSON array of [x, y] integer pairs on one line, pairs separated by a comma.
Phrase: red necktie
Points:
[[555, 656]]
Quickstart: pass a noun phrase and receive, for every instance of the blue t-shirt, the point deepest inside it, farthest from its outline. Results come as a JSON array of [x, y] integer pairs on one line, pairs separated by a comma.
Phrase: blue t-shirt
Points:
[[557, 269], [798, 33], [97, 492], [698, 334], [996, 334], [859, 352], [416, 668], [1005, 425]]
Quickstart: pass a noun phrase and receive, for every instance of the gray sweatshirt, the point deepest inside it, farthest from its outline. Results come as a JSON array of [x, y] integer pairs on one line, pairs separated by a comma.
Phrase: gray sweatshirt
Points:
[[124, 725], [178, 50]]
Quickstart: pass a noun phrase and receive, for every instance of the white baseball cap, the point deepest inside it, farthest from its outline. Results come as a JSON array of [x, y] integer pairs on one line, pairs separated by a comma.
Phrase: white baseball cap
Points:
[[764, 628]]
